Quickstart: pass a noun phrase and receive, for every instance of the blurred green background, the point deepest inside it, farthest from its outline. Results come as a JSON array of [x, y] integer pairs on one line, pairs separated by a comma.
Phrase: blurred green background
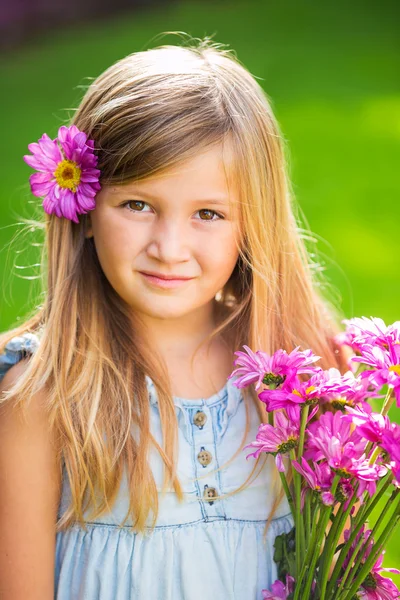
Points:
[[331, 71]]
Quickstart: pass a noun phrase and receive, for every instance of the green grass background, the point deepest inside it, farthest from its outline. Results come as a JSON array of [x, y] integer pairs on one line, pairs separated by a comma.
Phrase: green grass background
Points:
[[331, 71]]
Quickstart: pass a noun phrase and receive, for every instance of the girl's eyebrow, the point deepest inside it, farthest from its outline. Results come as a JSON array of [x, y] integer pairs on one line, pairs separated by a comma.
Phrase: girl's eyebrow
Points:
[[219, 201]]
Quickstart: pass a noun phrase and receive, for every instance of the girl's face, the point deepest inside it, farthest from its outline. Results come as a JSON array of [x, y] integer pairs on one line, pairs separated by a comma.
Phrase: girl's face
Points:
[[177, 224]]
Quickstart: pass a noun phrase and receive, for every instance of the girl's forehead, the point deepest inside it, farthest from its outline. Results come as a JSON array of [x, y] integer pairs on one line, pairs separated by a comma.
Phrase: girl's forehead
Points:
[[204, 177]]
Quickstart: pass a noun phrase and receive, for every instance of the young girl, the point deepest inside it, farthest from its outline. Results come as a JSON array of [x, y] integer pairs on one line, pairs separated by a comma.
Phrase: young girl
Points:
[[170, 242]]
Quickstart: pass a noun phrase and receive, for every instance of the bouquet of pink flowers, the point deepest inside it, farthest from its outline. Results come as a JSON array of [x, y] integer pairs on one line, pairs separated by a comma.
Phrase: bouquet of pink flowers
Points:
[[347, 455]]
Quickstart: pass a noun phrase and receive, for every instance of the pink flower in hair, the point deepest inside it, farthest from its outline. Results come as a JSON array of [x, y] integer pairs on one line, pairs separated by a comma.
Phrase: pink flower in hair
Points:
[[67, 177]]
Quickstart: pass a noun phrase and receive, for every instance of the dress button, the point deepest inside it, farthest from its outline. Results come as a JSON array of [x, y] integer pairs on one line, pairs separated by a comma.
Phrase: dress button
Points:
[[199, 419], [209, 494], [204, 457]]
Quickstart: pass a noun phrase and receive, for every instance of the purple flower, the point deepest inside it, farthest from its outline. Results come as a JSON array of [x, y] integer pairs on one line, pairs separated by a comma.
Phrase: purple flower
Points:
[[366, 546], [293, 413], [279, 591], [318, 479], [330, 434], [385, 363], [297, 392], [272, 370], [374, 586], [67, 177], [275, 439], [366, 474], [344, 492], [331, 438], [328, 386], [370, 425], [391, 443], [373, 331], [347, 390]]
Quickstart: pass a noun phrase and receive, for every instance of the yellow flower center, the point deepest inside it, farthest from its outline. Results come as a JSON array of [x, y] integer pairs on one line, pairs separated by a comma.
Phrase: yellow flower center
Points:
[[68, 174], [395, 368], [310, 389], [290, 443], [340, 403]]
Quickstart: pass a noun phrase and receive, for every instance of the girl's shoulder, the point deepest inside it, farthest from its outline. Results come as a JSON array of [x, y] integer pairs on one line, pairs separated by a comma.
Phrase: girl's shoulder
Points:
[[16, 349]]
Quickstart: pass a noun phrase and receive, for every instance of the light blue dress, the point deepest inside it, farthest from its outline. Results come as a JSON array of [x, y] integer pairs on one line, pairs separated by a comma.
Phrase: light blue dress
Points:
[[200, 549]]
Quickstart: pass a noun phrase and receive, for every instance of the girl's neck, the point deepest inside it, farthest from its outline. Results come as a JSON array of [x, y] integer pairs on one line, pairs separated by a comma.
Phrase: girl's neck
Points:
[[206, 376], [179, 339]]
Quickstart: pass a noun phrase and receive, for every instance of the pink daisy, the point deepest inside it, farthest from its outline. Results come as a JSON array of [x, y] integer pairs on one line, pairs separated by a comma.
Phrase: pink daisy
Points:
[[279, 591], [377, 587], [391, 443], [370, 425], [374, 586], [331, 438], [318, 479], [385, 363], [275, 439], [361, 330], [272, 370], [67, 177]]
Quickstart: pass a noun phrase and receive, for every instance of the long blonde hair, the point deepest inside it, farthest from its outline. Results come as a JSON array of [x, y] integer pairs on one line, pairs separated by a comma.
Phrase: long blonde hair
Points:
[[149, 112]]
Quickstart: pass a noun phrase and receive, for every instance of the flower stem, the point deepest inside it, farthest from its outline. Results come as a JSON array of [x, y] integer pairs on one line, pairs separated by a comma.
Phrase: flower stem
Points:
[[389, 399], [349, 567], [387, 403], [331, 542], [304, 415], [297, 517], [388, 506], [372, 501], [357, 525], [288, 493], [358, 558], [307, 558], [299, 523], [313, 552], [307, 512], [321, 533], [377, 549]]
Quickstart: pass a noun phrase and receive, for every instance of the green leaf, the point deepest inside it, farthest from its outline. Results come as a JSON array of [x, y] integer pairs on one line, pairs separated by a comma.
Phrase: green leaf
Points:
[[284, 554]]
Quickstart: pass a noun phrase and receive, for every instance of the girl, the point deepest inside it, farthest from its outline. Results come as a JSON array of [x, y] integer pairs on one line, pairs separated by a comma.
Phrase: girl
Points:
[[125, 476]]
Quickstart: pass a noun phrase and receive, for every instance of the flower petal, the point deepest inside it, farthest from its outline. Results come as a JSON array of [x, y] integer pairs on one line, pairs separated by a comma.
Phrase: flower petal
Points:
[[85, 202], [41, 184]]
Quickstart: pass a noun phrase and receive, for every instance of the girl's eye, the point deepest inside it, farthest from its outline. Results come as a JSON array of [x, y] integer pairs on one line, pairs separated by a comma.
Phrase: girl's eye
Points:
[[206, 210]]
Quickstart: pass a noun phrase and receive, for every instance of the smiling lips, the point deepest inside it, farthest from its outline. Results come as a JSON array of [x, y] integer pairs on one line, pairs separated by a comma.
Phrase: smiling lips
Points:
[[167, 277], [162, 282]]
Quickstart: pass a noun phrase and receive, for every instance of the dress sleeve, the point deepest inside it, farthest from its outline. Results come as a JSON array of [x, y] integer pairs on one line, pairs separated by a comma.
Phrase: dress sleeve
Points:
[[16, 349]]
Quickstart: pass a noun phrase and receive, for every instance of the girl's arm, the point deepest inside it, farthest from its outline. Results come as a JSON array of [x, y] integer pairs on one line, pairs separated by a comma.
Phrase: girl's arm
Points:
[[30, 483]]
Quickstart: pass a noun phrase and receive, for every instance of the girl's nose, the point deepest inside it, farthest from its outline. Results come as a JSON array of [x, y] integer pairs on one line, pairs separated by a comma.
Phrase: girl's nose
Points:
[[169, 241]]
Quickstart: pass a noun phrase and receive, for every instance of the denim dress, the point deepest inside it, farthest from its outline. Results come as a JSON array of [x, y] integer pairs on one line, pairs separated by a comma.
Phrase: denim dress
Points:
[[200, 549]]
